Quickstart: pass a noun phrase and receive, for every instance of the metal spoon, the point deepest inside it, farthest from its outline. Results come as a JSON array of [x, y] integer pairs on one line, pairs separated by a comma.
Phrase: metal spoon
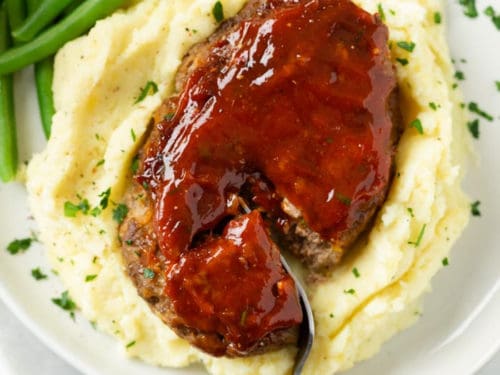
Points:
[[306, 330]]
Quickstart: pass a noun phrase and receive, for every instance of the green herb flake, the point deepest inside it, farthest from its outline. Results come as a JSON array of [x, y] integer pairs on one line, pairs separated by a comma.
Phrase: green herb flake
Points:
[[474, 208], [66, 303], [403, 62], [419, 238], [473, 127], [332, 316], [445, 262], [410, 211], [148, 273], [437, 18], [495, 18], [89, 278], [21, 245], [70, 209], [417, 124], [218, 12], [134, 166], [100, 162], [470, 9], [96, 211], [343, 199], [132, 134], [38, 274], [474, 108], [407, 46], [119, 213], [433, 106], [103, 203], [151, 88], [349, 291], [356, 272], [497, 84], [130, 344], [459, 75], [381, 12], [169, 116]]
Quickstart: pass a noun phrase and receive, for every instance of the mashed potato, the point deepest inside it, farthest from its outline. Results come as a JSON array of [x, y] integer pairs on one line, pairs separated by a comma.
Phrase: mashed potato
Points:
[[98, 128]]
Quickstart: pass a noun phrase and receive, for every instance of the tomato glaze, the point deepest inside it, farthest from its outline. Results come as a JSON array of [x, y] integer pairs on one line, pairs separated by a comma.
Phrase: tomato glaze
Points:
[[291, 104]]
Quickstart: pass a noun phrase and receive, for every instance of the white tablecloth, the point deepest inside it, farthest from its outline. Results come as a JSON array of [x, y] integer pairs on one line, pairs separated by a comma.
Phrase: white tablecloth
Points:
[[21, 353]]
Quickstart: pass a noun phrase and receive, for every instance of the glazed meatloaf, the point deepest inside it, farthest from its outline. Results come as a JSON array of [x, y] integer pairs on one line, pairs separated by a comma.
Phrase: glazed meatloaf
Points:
[[281, 137]]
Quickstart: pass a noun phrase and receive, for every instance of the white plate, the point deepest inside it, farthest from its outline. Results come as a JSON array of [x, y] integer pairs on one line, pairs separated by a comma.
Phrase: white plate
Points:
[[459, 329]]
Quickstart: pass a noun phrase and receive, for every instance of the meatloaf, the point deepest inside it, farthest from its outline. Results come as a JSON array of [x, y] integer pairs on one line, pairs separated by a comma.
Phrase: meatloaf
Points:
[[281, 137]]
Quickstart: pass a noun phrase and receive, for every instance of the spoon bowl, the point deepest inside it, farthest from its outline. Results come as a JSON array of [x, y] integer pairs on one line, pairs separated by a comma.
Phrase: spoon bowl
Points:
[[306, 330]]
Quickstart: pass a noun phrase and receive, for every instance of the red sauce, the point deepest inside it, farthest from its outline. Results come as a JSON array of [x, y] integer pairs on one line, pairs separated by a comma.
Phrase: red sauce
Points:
[[292, 104]]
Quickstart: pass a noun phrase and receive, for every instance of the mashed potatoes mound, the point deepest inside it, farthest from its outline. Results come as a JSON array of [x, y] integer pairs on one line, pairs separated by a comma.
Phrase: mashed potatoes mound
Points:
[[99, 128]]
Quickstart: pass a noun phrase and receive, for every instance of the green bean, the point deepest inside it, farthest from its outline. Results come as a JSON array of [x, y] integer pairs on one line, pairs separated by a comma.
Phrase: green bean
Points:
[[48, 42], [31, 6], [43, 16], [44, 75], [75, 4], [8, 138], [16, 11]]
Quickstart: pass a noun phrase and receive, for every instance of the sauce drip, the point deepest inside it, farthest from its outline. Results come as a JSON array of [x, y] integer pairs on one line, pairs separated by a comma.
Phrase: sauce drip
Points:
[[290, 104]]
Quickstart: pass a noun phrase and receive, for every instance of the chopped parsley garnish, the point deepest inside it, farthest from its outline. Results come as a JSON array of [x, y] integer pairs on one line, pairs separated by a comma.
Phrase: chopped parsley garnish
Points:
[[134, 166], [473, 107], [218, 12], [119, 213], [90, 278], [132, 134], [419, 238], [349, 291], [169, 116], [470, 9], [71, 209], [356, 272], [459, 75], [407, 46], [21, 245], [437, 18], [96, 211], [403, 62], [433, 106], [104, 198], [66, 303], [410, 211], [38, 274], [495, 18], [332, 316], [497, 84], [473, 127], [343, 199], [130, 344], [417, 124], [474, 208], [100, 162], [150, 89], [445, 262], [381, 12], [148, 273]]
